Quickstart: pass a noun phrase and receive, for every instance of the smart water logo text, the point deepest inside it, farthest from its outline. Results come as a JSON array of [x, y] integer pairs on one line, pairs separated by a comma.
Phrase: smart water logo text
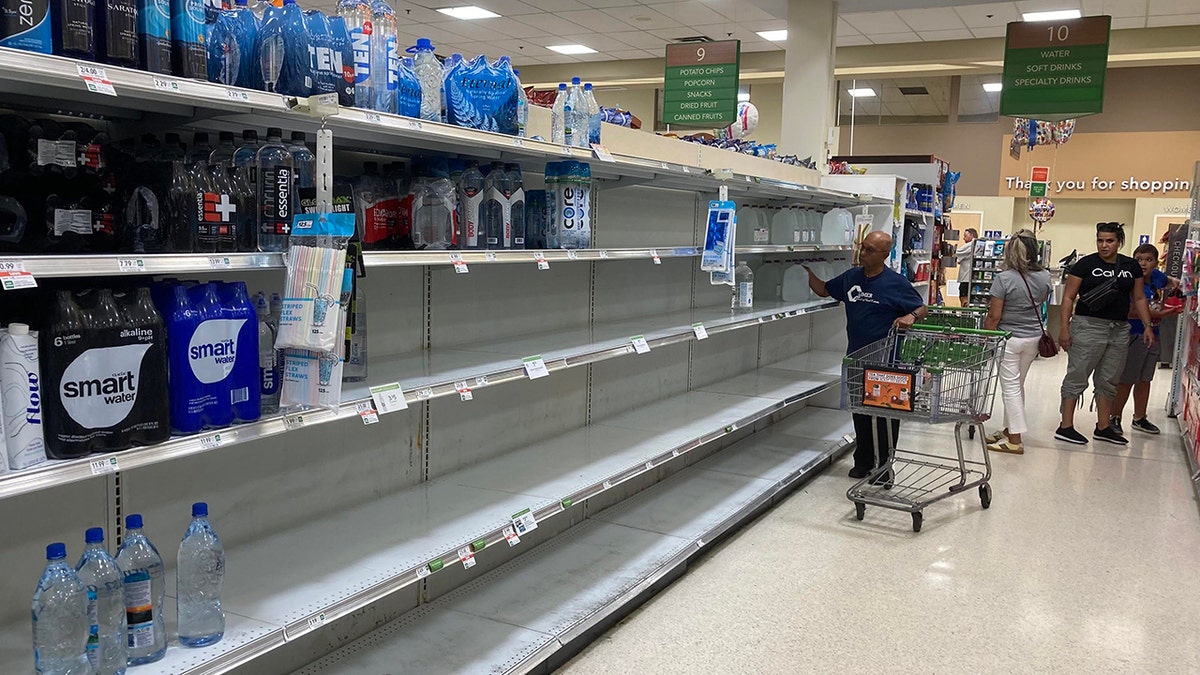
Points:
[[212, 350], [100, 387]]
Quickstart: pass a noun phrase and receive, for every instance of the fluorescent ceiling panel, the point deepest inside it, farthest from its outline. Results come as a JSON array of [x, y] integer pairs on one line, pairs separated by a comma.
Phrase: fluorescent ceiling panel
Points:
[[468, 13]]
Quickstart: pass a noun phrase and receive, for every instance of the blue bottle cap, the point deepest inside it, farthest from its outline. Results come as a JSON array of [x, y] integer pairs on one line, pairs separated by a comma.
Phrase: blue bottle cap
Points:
[[587, 86], [424, 44], [94, 535], [56, 551], [200, 510], [562, 86], [133, 521], [575, 81]]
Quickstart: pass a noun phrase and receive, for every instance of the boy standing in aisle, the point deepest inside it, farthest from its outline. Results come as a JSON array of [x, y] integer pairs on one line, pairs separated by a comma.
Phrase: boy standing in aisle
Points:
[[1142, 360], [876, 299], [965, 255]]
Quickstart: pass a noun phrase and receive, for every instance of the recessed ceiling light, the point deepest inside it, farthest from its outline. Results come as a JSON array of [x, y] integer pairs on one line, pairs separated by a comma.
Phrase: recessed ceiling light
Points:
[[773, 35], [1055, 15], [862, 92], [992, 87], [572, 49], [469, 12]]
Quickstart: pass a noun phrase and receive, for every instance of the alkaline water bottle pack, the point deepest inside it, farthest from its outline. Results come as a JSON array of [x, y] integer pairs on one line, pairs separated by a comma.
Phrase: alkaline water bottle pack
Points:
[[483, 95]]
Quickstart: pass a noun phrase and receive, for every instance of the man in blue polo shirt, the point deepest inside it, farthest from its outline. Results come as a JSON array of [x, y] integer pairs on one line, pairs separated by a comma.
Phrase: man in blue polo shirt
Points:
[[876, 299]]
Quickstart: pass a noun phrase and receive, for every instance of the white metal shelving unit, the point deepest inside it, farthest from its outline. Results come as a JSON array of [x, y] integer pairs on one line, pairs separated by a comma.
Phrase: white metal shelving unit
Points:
[[333, 527]]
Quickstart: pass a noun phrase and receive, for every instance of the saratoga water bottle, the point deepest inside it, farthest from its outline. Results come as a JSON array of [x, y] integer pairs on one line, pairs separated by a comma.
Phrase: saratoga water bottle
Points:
[[276, 173], [199, 576], [117, 32], [385, 57], [60, 618], [73, 22], [430, 75], [22, 383], [558, 116], [357, 15], [144, 586], [106, 649]]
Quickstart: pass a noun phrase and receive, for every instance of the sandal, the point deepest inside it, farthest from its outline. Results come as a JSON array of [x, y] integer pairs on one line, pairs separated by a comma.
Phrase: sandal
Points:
[[994, 438], [1006, 446]]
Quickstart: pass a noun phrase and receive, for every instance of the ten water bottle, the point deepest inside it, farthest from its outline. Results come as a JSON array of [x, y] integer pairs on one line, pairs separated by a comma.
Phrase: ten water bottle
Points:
[[357, 16], [201, 573], [60, 618], [106, 649], [144, 585]]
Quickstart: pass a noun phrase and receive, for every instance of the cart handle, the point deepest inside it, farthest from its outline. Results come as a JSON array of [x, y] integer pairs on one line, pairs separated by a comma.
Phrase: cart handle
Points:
[[943, 308], [965, 331]]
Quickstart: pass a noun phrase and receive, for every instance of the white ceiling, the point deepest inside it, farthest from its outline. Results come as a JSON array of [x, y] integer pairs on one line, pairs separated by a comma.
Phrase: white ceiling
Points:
[[638, 29]]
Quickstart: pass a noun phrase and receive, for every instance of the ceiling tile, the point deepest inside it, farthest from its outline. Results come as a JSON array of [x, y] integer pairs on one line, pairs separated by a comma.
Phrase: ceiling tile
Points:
[[602, 4], [763, 46], [691, 12], [556, 5], [935, 35], [852, 40], [989, 32], [628, 55], [482, 29], [720, 31], [1046, 5], [977, 16], [551, 57], [844, 28], [922, 20], [1129, 22], [501, 7], [439, 35], [892, 38], [594, 20], [638, 39], [1174, 20], [1115, 8], [642, 18], [1172, 7], [409, 12], [551, 24], [598, 42], [518, 28], [875, 22], [746, 11]]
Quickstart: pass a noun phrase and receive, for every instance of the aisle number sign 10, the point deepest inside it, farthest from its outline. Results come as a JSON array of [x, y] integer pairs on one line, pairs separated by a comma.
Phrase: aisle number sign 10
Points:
[[701, 83], [1054, 70]]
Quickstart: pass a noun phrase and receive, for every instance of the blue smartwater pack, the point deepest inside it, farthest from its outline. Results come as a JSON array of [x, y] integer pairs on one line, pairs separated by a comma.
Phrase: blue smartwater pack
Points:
[[718, 240], [212, 347], [482, 95], [25, 24]]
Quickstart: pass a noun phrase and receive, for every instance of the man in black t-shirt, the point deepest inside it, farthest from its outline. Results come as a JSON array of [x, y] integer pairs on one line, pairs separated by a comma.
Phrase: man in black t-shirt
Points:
[[1096, 337]]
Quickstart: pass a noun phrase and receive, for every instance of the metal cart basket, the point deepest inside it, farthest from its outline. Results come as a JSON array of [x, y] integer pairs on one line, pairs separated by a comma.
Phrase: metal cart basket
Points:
[[954, 317], [937, 375]]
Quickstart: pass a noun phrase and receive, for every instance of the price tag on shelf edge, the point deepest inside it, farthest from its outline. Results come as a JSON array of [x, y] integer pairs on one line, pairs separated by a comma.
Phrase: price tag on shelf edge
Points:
[[535, 367], [219, 263], [542, 263], [604, 254], [388, 398], [211, 441], [510, 535], [524, 522], [572, 254], [489, 256], [104, 465], [423, 571], [239, 95], [166, 85], [482, 381], [654, 256], [467, 557], [460, 267], [16, 280], [602, 153], [367, 413], [293, 422], [131, 265], [373, 117], [700, 331], [316, 621], [96, 80], [639, 344], [464, 392], [424, 393]]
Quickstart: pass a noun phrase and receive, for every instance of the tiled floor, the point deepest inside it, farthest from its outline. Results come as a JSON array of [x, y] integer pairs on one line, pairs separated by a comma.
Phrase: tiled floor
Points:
[[1086, 563]]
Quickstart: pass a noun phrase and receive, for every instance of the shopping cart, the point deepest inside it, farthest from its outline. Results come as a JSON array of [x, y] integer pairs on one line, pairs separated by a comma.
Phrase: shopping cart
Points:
[[954, 317], [937, 375]]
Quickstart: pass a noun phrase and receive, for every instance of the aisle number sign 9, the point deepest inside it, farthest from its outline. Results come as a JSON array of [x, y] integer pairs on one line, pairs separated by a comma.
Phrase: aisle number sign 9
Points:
[[1054, 70], [701, 83]]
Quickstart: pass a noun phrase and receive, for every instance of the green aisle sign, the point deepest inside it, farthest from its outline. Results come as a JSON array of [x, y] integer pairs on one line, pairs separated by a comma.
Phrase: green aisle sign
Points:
[[701, 83], [1054, 70]]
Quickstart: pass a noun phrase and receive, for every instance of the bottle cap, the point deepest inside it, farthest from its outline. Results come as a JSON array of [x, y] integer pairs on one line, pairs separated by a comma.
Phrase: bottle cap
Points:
[[18, 328], [424, 45], [200, 510], [56, 551], [575, 81], [226, 135], [562, 86], [274, 132], [133, 521], [199, 137], [249, 134], [94, 535], [587, 86], [298, 136]]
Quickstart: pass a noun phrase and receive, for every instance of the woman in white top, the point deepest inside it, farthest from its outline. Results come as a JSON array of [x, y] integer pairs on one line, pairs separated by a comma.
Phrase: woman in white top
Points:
[[1017, 296]]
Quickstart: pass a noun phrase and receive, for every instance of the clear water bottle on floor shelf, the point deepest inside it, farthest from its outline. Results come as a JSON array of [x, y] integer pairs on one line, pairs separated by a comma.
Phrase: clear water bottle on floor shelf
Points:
[[144, 586], [106, 649], [60, 618], [199, 577]]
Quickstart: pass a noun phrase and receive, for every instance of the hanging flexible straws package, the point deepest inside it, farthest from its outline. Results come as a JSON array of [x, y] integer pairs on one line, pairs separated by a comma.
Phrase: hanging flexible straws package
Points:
[[316, 263], [314, 378]]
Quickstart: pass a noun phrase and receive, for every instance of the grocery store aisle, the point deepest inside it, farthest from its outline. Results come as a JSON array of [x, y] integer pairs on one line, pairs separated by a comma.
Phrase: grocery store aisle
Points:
[[1084, 563]]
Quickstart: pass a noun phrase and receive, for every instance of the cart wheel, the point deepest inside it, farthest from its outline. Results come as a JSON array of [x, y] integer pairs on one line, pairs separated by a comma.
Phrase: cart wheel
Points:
[[917, 518], [860, 510], [971, 431], [985, 495]]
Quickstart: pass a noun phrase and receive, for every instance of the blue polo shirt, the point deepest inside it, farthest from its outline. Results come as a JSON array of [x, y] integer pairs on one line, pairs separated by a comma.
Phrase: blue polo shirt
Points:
[[872, 303]]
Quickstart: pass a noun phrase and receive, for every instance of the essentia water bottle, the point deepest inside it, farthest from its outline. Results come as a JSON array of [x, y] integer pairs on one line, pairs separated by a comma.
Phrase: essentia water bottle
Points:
[[429, 74], [491, 216], [60, 618], [276, 173], [143, 578], [385, 57], [199, 577], [357, 15], [106, 649], [304, 193]]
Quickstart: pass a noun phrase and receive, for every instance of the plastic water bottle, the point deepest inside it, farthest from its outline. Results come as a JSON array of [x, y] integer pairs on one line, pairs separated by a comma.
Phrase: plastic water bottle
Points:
[[575, 115], [22, 382], [304, 193], [201, 573], [448, 67], [429, 73], [496, 235], [276, 174], [142, 570], [222, 155], [385, 57], [593, 109], [106, 648], [117, 34], [435, 206], [357, 15], [72, 23], [268, 382], [60, 618], [343, 50], [743, 287], [245, 158], [270, 48], [470, 203], [516, 204], [558, 117], [551, 218], [522, 106]]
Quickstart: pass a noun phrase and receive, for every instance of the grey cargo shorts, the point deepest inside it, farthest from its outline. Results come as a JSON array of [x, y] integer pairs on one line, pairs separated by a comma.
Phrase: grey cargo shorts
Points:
[[1098, 349]]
